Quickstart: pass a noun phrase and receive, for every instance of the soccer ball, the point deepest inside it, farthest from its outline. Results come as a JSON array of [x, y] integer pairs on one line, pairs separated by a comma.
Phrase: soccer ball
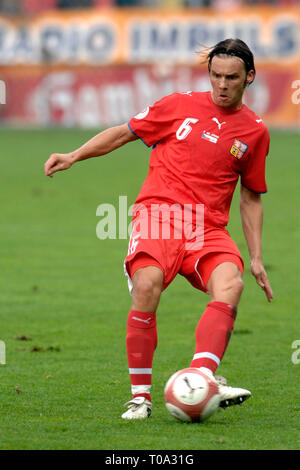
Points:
[[191, 395]]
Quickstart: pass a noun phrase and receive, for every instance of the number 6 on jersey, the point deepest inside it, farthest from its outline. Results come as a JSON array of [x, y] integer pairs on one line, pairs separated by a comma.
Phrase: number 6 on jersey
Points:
[[185, 128]]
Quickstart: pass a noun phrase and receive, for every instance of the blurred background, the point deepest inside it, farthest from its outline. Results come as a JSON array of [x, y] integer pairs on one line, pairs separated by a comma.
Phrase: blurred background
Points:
[[68, 68], [96, 63]]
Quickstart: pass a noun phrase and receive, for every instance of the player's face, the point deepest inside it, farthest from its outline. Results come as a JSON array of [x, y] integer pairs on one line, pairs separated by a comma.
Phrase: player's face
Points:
[[229, 79]]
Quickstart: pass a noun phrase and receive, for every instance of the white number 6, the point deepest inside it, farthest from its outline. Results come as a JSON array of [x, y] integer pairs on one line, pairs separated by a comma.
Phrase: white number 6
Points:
[[185, 128]]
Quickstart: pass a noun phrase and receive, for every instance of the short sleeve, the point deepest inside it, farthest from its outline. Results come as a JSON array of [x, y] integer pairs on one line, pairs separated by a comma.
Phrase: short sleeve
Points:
[[155, 122], [253, 173]]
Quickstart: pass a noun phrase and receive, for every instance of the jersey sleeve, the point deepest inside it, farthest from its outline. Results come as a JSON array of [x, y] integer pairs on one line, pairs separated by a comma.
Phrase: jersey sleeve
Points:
[[253, 173], [155, 122]]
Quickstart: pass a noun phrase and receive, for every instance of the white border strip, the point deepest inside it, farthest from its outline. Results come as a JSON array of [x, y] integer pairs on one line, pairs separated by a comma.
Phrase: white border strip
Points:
[[196, 269], [207, 355], [140, 371]]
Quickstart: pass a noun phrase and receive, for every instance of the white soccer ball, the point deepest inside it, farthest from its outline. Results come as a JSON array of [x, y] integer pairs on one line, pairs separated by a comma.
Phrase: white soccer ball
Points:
[[191, 395]]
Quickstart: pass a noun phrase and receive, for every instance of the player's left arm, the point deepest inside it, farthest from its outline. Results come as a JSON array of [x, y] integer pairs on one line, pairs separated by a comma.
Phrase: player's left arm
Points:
[[252, 221]]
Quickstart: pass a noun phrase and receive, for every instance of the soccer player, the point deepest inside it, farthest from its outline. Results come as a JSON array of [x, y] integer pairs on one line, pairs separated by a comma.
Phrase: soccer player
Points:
[[202, 144]]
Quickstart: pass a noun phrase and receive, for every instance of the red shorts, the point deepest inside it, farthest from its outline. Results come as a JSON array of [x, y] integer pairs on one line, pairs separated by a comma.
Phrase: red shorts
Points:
[[173, 256]]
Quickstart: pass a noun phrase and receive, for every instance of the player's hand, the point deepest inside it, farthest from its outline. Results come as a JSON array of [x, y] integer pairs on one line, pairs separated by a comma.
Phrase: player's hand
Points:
[[258, 271], [57, 162]]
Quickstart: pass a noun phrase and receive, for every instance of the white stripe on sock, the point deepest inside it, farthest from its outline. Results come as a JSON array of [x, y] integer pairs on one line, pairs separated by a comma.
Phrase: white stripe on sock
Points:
[[140, 389], [208, 355], [140, 371]]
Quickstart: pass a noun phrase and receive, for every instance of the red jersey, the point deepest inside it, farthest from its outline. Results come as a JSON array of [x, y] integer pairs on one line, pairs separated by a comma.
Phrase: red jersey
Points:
[[199, 151]]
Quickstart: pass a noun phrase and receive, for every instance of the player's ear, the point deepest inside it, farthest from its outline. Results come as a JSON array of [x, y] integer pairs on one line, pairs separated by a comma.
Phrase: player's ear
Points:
[[250, 77]]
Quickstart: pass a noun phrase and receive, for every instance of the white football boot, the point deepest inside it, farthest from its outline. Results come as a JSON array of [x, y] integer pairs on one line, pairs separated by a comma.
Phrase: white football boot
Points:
[[138, 408], [230, 395]]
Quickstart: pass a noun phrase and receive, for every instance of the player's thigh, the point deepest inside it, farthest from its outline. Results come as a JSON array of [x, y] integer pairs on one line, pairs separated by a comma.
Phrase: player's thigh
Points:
[[164, 254], [225, 283]]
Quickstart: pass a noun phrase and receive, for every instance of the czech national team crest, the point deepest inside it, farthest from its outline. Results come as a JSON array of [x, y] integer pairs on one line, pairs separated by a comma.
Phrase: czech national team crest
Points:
[[238, 149]]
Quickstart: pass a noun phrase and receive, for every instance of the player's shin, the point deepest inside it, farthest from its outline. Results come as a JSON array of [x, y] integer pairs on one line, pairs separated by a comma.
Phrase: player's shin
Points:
[[213, 334], [141, 342]]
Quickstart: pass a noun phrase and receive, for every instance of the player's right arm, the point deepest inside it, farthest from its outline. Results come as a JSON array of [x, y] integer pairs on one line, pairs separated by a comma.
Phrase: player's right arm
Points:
[[101, 144]]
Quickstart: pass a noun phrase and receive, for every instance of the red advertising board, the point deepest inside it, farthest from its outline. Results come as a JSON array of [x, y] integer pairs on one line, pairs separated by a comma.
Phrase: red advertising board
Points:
[[97, 98]]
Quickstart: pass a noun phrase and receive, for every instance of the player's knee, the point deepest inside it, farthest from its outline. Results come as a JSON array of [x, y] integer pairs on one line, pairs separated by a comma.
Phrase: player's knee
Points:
[[237, 285], [233, 288], [146, 292], [229, 290], [144, 287]]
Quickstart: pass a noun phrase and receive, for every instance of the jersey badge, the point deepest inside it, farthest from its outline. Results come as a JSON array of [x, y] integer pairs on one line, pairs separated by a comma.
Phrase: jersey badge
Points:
[[210, 137], [142, 114], [238, 148]]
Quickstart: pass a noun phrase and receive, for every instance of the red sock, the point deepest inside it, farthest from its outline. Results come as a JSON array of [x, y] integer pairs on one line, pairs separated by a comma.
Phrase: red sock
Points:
[[213, 334], [141, 342]]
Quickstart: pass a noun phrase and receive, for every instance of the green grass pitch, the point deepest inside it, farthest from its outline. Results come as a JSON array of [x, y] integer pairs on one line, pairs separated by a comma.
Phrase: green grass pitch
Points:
[[63, 291]]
